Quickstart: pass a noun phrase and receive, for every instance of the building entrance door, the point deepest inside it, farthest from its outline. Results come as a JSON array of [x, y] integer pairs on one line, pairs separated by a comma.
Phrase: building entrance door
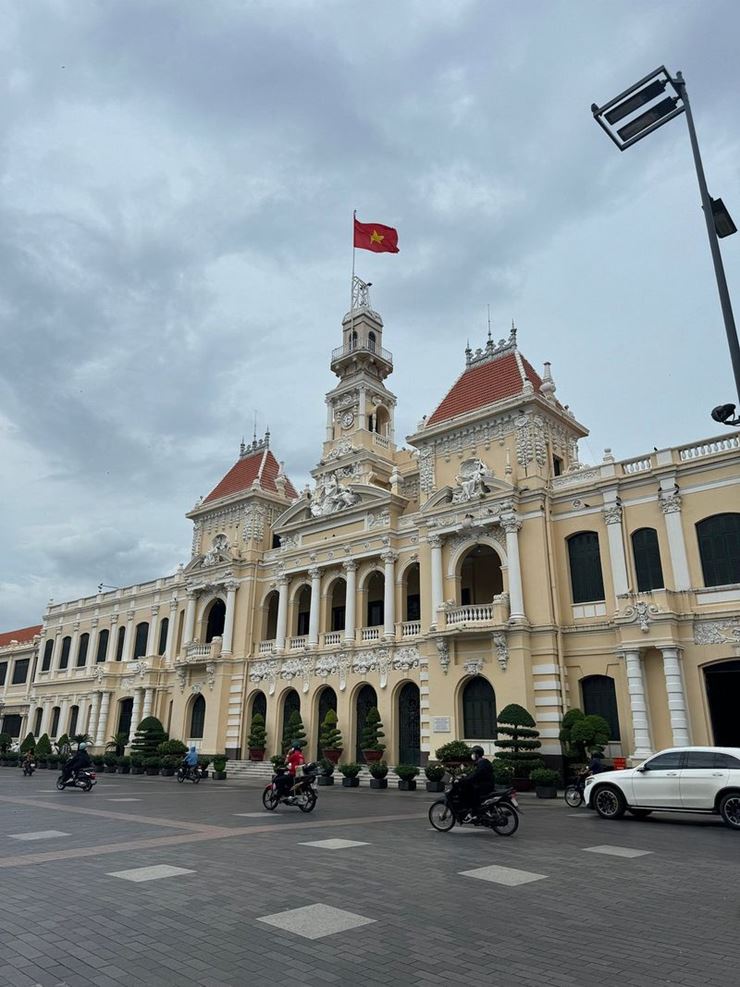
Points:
[[723, 695], [409, 725]]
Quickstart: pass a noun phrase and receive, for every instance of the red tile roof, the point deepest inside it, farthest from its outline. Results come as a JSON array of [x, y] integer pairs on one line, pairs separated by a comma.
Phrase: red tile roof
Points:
[[485, 383], [260, 465], [21, 636]]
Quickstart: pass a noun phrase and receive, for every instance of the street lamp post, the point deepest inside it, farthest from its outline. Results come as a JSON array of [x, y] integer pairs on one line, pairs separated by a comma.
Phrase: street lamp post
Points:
[[719, 223]]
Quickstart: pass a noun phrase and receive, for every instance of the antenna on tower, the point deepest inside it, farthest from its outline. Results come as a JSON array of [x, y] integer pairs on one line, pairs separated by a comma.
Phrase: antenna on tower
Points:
[[489, 323], [254, 430]]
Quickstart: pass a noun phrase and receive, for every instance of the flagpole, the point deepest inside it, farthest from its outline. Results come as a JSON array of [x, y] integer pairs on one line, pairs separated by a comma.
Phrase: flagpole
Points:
[[354, 251]]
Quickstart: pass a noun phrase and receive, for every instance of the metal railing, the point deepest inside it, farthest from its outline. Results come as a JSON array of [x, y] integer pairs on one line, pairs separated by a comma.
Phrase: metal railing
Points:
[[341, 351]]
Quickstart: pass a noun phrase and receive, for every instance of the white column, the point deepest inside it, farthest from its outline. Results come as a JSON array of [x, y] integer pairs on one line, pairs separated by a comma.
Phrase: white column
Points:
[[282, 614], [511, 526], [329, 422], [46, 705], [63, 714], [671, 506], [151, 638], [435, 542], [313, 616], [74, 645], [103, 719], [171, 630], [136, 716], [350, 568], [112, 652], [148, 702], [92, 726], [363, 408], [676, 696], [638, 704], [189, 618], [389, 594], [613, 519], [92, 646], [228, 640], [128, 644]]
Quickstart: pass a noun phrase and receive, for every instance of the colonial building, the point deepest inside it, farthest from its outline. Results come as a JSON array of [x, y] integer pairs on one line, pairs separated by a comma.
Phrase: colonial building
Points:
[[480, 564]]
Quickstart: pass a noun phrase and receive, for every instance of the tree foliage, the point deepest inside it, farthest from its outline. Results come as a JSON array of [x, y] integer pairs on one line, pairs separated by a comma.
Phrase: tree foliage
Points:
[[330, 736], [518, 749], [293, 730], [591, 733], [257, 733], [372, 732], [149, 735]]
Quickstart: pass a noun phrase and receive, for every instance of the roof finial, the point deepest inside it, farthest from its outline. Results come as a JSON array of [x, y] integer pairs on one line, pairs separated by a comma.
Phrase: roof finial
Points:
[[548, 384], [490, 340], [468, 354], [254, 430], [242, 448], [267, 437], [512, 337]]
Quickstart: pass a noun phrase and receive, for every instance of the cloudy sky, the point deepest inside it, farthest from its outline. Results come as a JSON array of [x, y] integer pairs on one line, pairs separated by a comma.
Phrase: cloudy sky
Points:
[[177, 180]]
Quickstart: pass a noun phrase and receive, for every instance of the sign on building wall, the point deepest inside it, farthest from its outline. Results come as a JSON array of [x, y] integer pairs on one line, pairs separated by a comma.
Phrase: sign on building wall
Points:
[[440, 724]]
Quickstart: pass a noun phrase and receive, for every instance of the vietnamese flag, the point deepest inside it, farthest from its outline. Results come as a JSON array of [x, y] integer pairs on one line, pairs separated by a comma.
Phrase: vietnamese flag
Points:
[[373, 236]]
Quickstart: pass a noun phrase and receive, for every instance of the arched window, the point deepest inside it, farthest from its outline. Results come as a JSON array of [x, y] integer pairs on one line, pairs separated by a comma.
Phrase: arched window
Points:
[[375, 588], [142, 634], [600, 699], [216, 620], [54, 722], [119, 644], [125, 712], [366, 699], [412, 594], [163, 628], [197, 718], [291, 704], [37, 721], [353, 340], [303, 616], [102, 645], [409, 724], [270, 607], [371, 341], [719, 548], [338, 605], [479, 710], [48, 652], [586, 581], [20, 671], [66, 645], [480, 576], [647, 559], [259, 704], [82, 650], [327, 701], [74, 715]]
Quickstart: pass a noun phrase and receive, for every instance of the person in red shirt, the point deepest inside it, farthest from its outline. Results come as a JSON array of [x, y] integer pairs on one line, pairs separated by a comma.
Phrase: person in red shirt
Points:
[[295, 760]]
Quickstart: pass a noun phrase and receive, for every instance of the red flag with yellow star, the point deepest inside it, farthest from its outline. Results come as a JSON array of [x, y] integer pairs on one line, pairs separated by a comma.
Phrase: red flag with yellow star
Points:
[[373, 236]]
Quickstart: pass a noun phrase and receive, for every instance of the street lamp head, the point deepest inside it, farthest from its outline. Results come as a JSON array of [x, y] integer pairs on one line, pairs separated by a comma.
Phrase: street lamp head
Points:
[[725, 414], [723, 223]]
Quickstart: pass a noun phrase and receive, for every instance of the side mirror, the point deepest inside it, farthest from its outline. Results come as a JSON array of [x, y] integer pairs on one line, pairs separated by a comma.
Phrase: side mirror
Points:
[[641, 768]]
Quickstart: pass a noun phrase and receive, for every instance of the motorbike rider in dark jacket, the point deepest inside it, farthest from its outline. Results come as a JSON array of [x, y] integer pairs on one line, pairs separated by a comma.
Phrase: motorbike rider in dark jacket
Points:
[[480, 782], [79, 760]]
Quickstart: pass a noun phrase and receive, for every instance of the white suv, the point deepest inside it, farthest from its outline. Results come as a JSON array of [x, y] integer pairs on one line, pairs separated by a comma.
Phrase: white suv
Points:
[[681, 779]]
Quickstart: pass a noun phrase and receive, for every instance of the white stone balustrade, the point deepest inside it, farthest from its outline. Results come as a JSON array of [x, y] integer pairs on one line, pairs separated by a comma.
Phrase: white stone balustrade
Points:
[[297, 643], [332, 638], [370, 633], [410, 628], [476, 614], [266, 647]]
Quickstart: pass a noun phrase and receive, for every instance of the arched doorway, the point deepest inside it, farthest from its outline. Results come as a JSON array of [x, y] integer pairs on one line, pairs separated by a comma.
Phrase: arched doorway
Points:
[[197, 718], [366, 699], [480, 576], [409, 724], [291, 704], [259, 705], [479, 710], [723, 695], [125, 711], [412, 593], [303, 611], [216, 620], [327, 701], [338, 604], [271, 613], [375, 587]]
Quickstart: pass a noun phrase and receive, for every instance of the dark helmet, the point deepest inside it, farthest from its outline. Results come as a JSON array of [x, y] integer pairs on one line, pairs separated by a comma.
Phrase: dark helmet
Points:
[[478, 751], [297, 745]]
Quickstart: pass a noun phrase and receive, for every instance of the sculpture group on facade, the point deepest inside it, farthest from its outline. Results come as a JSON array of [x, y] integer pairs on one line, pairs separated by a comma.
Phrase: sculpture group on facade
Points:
[[331, 496]]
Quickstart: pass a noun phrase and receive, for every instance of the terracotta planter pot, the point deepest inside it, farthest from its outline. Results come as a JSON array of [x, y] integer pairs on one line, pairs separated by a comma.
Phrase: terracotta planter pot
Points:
[[371, 757], [332, 754], [256, 753]]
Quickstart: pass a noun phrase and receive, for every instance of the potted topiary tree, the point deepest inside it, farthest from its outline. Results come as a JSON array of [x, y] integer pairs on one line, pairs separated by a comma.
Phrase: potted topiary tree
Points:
[[379, 771], [219, 767], [435, 772], [406, 775], [137, 764], [326, 772], [98, 761], [370, 745], [203, 761], [350, 770], [149, 735], [453, 755], [545, 783], [257, 738], [110, 762], [294, 730], [43, 749], [518, 750], [591, 733], [503, 775], [152, 764], [5, 741], [278, 761], [29, 744], [124, 764], [330, 738], [170, 763]]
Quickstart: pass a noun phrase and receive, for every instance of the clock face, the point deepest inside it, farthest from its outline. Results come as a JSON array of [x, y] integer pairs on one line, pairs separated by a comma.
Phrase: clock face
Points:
[[348, 419]]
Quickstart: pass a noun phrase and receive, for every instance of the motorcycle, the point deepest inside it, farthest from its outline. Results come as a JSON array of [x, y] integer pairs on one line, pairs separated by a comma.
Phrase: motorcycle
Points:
[[302, 793], [499, 812], [85, 778], [28, 768], [194, 775], [574, 792]]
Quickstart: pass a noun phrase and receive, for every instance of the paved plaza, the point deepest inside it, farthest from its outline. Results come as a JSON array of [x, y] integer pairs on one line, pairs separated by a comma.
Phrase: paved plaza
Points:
[[144, 881]]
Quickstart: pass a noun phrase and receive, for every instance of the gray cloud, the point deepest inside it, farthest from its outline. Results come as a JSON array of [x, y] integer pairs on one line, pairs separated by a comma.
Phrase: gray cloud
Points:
[[176, 192]]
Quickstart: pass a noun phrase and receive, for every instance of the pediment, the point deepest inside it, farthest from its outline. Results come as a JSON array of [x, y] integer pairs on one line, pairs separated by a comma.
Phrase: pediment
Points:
[[363, 497], [489, 488]]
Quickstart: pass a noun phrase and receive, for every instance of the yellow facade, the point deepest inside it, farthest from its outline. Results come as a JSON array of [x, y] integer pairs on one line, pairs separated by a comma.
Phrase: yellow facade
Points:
[[451, 578]]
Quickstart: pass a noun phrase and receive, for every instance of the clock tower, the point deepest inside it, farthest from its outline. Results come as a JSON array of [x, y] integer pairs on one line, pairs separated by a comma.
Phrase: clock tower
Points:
[[360, 410]]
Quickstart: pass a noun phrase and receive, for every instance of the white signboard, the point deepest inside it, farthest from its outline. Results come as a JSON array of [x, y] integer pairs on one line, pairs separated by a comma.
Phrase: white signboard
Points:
[[440, 724]]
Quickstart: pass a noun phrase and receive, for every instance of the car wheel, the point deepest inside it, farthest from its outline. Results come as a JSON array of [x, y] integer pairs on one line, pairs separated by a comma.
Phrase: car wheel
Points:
[[609, 803], [640, 813], [729, 809]]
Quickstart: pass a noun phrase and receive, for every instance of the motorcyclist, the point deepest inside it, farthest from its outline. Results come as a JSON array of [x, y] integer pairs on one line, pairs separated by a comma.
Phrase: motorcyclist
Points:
[[295, 760], [479, 782], [29, 759], [595, 766], [79, 760], [190, 761]]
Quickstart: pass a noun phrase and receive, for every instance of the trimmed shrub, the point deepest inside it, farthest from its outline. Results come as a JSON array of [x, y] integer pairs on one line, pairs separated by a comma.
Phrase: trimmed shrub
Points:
[[406, 772], [518, 751], [378, 770], [43, 747], [503, 774], [219, 763], [455, 750], [149, 735], [435, 771], [257, 733], [278, 761], [330, 736], [372, 732], [172, 748], [5, 741], [545, 778], [29, 744], [350, 770], [591, 733], [570, 749], [293, 730]]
